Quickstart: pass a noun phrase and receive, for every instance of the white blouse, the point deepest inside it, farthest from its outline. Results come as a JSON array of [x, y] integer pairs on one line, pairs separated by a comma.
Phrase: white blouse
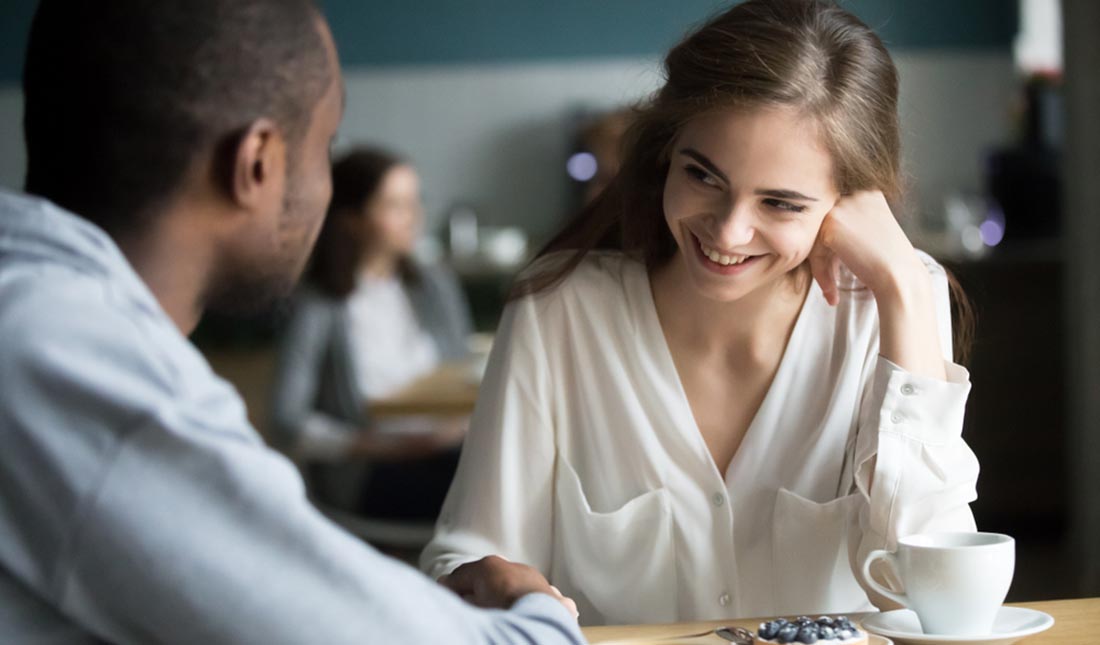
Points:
[[584, 460], [389, 345]]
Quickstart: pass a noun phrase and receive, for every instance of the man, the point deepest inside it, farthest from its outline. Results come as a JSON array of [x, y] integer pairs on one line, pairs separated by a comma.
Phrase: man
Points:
[[182, 146]]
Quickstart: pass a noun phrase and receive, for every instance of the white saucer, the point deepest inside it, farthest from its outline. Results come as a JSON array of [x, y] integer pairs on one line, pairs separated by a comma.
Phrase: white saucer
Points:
[[1011, 625]]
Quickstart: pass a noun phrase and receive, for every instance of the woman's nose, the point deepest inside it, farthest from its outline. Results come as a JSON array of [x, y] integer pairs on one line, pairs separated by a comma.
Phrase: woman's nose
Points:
[[736, 228]]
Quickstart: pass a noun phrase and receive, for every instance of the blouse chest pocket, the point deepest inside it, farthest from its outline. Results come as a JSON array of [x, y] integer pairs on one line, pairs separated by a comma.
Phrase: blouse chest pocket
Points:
[[812, 570], [619, 566]]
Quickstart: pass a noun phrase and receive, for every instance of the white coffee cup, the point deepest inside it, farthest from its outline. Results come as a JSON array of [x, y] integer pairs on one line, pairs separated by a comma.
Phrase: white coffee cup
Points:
[[955, 582]]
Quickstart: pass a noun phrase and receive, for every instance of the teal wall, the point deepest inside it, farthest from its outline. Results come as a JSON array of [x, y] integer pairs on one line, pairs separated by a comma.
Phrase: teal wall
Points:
[[15, 22], [452, 31]]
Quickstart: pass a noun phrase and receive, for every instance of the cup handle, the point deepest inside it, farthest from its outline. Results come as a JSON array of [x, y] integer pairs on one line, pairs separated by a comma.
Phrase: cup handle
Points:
[[892, 561]]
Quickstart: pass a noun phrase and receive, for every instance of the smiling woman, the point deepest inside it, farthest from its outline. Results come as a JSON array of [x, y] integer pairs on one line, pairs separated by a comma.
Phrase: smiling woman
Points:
[[731, 376]]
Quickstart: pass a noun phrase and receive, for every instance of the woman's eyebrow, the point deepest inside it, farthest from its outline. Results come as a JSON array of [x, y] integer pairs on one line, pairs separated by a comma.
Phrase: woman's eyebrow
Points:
[[705, 162], [777, 193], [782, 193]]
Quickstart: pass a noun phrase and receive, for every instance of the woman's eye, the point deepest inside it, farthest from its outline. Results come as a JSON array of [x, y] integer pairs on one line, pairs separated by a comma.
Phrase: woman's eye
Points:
[[784, 206], [700, 175]]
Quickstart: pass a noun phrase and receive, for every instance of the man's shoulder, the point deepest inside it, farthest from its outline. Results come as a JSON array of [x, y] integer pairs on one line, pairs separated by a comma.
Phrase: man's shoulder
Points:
[[54, 317], [98, 353]]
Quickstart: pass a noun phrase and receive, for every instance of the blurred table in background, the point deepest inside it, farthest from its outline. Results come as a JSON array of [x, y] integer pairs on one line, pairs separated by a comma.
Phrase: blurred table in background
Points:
[[448, 391]]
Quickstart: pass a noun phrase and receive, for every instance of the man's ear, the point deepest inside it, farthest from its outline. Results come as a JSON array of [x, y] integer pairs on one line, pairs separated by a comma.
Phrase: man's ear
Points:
[[259, 165]]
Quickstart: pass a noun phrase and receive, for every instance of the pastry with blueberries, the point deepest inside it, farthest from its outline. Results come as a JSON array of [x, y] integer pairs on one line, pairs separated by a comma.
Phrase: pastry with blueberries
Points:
[[826, 630]]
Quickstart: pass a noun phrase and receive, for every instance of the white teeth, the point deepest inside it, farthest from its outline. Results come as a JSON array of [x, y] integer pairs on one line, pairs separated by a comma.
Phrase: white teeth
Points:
[[718, 258]]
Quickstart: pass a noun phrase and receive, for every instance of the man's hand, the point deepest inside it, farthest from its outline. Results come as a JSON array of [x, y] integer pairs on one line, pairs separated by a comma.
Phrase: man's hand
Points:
[[496, 583]]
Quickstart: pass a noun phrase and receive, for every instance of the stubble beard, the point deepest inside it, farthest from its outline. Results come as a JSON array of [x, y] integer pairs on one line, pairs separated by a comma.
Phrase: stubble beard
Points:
[[247, 289]]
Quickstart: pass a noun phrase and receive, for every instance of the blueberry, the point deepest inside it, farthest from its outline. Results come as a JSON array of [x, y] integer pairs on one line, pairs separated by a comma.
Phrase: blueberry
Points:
[[844, 634], [787, 634], [825, 620], [807, 634], [768, 630], [803, 620], [781, 621], [827, 633]]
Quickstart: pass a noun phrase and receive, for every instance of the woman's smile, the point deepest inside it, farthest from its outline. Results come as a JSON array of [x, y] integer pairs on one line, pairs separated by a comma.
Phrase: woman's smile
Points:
[[723, 263]]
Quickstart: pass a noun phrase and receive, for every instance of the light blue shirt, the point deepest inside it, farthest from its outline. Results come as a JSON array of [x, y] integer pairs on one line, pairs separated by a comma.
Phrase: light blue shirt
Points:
[[137, 504]]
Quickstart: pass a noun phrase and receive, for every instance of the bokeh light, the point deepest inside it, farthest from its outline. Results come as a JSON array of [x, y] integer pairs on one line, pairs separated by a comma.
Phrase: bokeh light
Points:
[[581, 166]]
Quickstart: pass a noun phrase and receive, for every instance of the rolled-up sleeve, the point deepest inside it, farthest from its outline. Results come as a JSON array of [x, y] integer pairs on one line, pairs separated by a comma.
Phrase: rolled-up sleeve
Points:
[[913, 468]]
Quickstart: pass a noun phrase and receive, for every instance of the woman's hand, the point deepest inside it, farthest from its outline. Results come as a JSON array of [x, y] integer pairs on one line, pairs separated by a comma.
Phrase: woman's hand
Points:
[[497, 583], [861, 232], [404, 447]]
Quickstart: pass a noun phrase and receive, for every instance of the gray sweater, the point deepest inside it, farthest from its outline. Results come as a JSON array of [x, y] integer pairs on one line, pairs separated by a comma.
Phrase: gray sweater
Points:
[[137, 504]]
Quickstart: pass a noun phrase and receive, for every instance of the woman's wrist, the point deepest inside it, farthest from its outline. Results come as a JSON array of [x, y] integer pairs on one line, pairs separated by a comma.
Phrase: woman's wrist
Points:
[[904, 287], [909, 334]]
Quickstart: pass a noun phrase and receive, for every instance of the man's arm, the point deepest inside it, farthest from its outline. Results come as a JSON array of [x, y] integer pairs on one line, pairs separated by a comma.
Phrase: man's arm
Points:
[[221, 546], [139, 502]]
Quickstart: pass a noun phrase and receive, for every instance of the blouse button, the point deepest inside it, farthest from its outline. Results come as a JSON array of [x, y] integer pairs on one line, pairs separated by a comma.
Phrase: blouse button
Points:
[[908, 390], [897, 417], [724, 600], [718, 499]]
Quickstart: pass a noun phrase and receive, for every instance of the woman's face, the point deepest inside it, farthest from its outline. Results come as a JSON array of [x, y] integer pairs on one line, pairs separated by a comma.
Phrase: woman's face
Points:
[[745, 196], [394, 213]]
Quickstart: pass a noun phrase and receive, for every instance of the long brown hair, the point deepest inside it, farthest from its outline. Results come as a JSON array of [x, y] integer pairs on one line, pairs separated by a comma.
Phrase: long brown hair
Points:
[[356, 177], [807, 54]]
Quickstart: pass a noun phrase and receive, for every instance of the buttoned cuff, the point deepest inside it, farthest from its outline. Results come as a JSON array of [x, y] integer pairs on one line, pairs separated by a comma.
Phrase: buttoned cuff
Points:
[[925, 409]]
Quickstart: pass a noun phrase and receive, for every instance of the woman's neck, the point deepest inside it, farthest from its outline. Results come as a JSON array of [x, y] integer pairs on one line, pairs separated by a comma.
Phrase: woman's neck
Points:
[[379, 265], [753, 327]]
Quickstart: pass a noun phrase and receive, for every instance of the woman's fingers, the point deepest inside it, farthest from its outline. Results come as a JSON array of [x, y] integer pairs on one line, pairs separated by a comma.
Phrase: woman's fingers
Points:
[[569, 603], [823, 267]]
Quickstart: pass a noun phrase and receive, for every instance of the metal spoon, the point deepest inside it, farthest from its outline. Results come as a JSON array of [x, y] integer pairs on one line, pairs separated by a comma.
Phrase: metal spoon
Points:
[[737, 635]]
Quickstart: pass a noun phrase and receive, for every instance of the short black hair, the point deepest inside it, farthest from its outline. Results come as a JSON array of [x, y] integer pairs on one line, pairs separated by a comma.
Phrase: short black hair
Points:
[[122, 95]]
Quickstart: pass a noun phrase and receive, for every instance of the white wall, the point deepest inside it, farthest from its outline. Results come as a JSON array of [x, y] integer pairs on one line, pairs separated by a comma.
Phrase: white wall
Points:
[[496, 136]]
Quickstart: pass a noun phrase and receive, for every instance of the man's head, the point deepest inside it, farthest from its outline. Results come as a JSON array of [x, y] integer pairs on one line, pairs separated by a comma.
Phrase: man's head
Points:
[[134, 107]]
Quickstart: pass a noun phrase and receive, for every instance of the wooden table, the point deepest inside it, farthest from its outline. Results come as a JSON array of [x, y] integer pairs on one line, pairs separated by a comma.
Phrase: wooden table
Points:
[[448, 391], [1076, 622]]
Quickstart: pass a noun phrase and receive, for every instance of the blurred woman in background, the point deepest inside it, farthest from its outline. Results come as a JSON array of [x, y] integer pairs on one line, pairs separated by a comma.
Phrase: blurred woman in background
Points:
[[367, 322]]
